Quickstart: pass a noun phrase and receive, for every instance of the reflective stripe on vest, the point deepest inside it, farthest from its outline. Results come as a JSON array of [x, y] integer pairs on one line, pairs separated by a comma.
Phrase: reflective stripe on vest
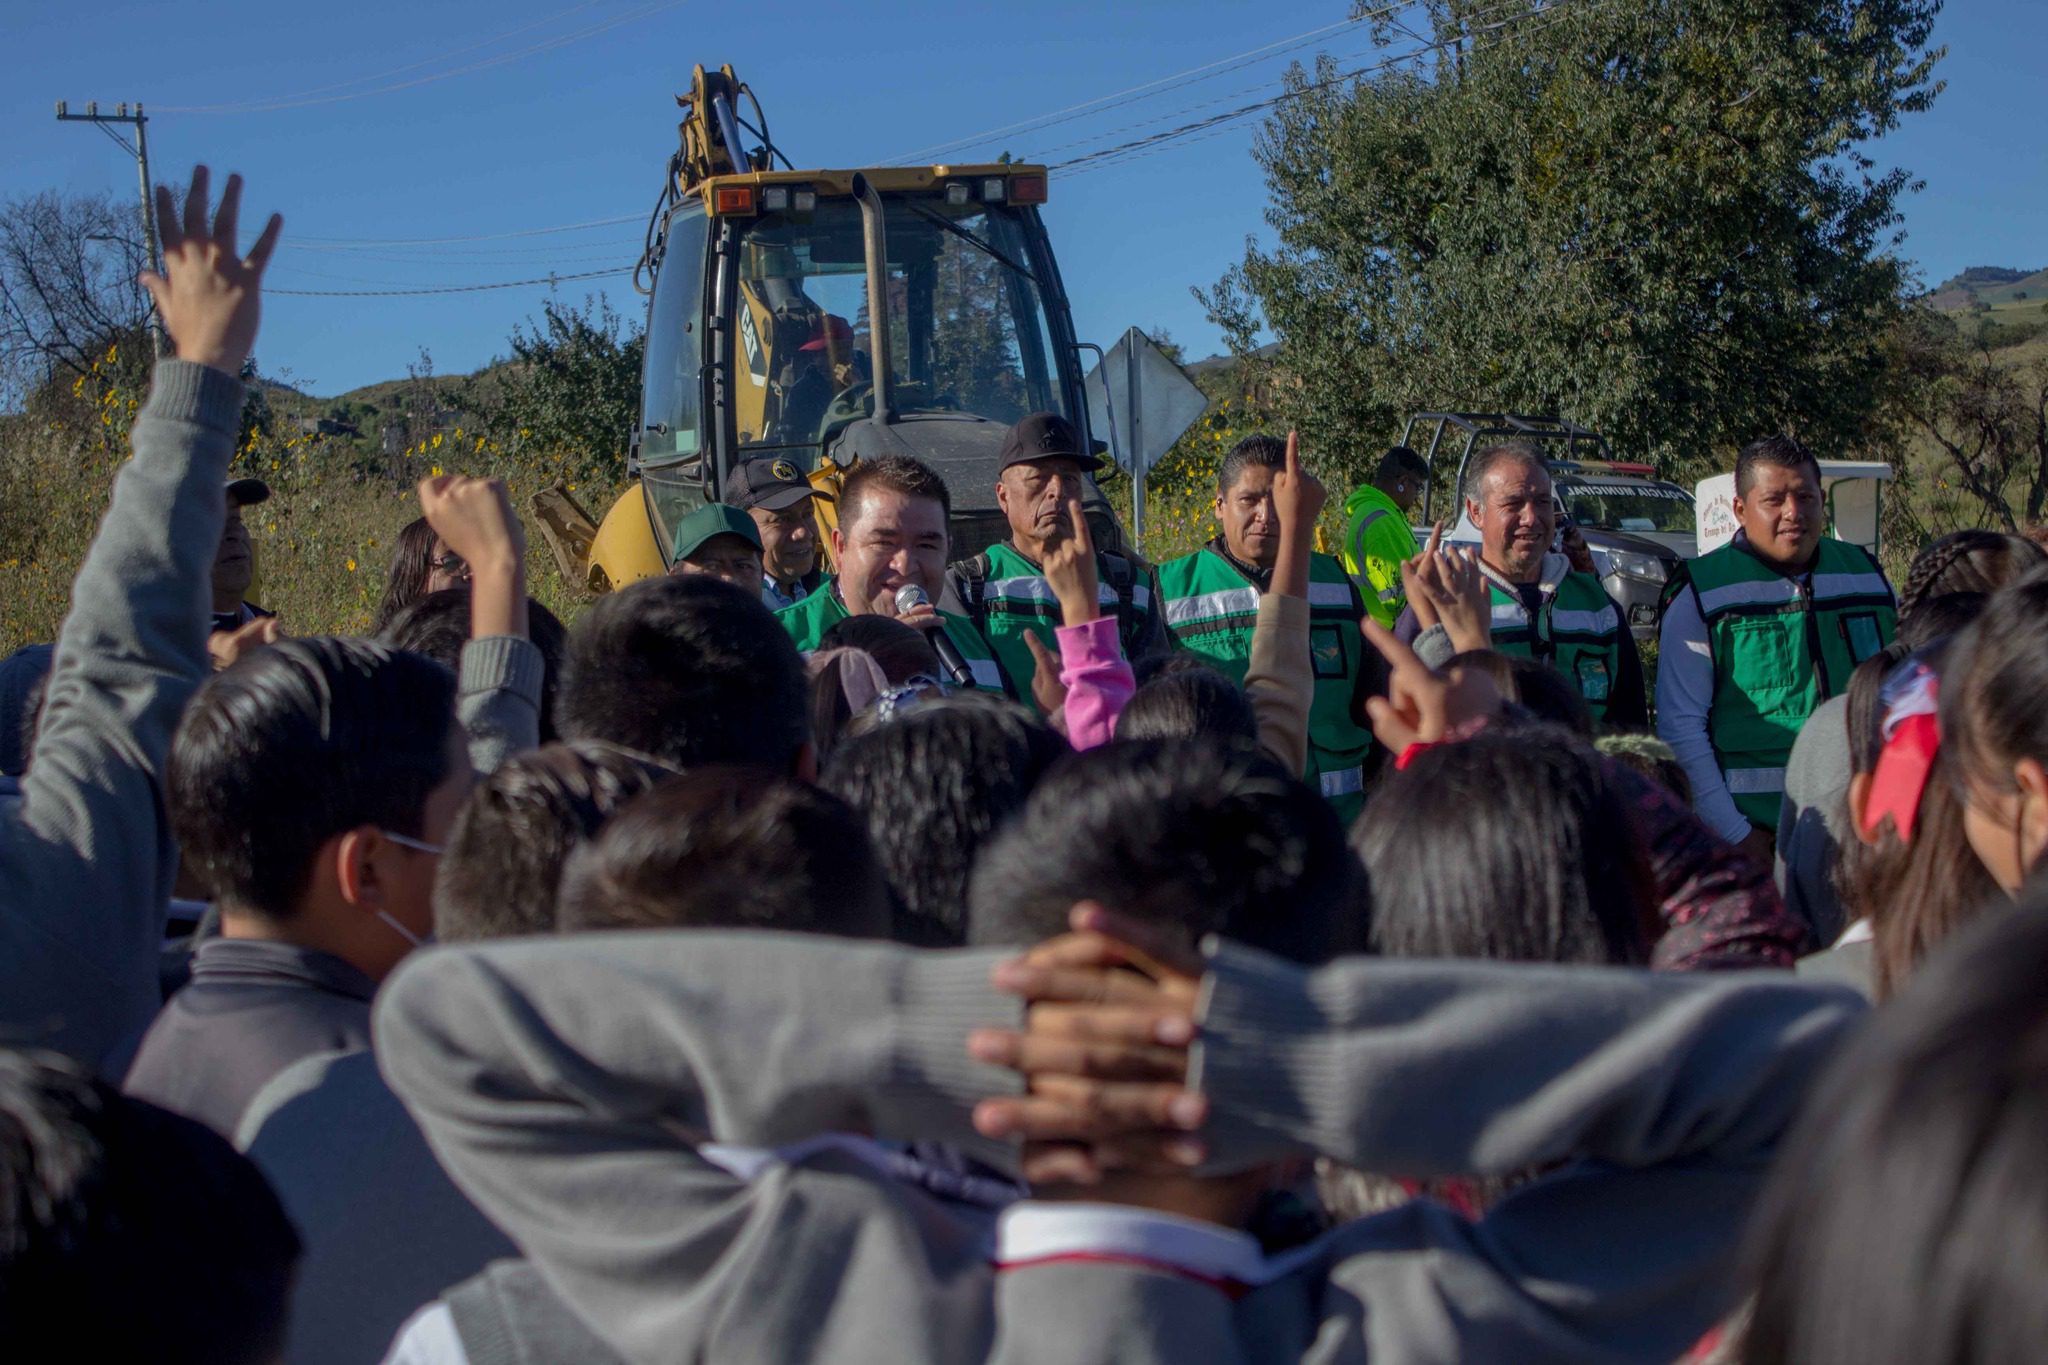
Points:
[[1038, 592], [1342, 782], [1754, 781], [1579, 629], [1210, 606]]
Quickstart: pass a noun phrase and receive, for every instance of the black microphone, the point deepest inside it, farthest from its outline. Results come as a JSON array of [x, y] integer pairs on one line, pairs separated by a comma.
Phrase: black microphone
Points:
[[909, 597]]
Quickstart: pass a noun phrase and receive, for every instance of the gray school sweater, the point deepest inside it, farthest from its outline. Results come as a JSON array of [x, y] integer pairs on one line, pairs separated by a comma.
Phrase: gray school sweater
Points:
[[564, 1083], [86, 856]]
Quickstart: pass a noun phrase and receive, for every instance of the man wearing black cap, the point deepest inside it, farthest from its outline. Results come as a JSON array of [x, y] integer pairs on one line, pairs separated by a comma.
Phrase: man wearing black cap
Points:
[[776, 495], [234, 563], [1004, 588]]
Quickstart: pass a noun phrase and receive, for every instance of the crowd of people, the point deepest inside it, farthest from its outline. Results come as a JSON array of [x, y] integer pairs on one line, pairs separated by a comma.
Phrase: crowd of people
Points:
[[1038, 955]]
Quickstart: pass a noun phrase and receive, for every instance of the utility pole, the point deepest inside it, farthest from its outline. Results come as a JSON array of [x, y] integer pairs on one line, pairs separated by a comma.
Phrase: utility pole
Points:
[[140, 151]]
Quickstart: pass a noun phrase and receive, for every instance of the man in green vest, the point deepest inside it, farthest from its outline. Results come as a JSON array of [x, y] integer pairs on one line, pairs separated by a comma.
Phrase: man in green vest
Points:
[[1758, 633], [1543, 608], [1377, 538], [1004, 589], [892, 536], [1210, 600]]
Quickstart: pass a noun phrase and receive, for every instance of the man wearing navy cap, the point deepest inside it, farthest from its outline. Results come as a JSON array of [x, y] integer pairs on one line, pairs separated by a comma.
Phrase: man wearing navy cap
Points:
[[1004, 588], [234, 562], [775, 494]]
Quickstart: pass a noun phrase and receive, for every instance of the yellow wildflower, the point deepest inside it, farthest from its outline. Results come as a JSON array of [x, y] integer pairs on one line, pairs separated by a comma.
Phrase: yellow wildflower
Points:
[[351, 564]]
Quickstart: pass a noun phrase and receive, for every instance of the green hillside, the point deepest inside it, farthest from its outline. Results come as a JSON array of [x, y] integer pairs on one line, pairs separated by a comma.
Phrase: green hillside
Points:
[[1992, 286]]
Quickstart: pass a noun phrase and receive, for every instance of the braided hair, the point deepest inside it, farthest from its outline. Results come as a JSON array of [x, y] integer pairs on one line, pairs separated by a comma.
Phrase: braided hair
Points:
[[1968, 561]]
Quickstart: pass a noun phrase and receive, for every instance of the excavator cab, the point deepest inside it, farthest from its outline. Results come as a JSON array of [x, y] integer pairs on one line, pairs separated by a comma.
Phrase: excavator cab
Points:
[[826, 317]]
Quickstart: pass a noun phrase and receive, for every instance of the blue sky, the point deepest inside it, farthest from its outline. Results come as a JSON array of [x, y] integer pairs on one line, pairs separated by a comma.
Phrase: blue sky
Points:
[[376, 121]]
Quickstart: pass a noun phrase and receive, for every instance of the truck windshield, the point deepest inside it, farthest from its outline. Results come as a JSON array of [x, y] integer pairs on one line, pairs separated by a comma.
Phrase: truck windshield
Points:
[[967, 324], [1620, 506]]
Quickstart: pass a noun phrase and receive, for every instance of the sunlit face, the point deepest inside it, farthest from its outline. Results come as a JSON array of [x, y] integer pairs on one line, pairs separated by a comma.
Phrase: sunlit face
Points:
[[897, 539], [446, 569], [789, 540], [234, 562], [731, 558], [1034, 496], [2007, 826], [1251, 528], [1515, 517], [1782, 513]]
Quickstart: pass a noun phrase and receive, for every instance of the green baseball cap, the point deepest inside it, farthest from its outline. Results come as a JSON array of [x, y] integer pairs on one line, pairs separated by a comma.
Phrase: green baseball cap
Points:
[[714, 519]]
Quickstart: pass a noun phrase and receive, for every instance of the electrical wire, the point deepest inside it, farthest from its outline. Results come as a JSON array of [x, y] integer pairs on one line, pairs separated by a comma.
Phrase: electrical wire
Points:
[[354, 243], [302, 102], [549, 280]]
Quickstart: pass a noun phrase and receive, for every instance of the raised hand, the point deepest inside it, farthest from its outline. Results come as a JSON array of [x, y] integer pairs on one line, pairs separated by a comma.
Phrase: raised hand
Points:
[[1046, 688], [474, 519], [1459, 596], [226, 646], [1298, 496], [209, 297], [1420, 707], [1070, 569]]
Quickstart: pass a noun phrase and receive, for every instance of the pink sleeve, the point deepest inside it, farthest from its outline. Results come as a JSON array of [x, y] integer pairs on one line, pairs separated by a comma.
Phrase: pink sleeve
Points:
[[1097, 679]]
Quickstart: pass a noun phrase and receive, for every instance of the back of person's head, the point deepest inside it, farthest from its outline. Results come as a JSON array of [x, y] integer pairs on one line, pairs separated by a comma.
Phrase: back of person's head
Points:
[[1905, 1221], [1994, 727], [1260, 451], [1916, 892], [1512, 845], [128, 1233], [1644, 753], [294, 744], [412, 560], [933, 783], [690, 670], [1187, 702], [1780, 451], [1533, 685], [1205, 835], [902, 651], [503, 866], [729, 847], [1967, 561], [1940, 616], [436, 625]]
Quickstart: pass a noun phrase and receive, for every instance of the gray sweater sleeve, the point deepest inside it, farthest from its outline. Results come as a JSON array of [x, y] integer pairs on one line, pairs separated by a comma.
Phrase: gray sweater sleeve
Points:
[[86, 856], [565, 1083], [498, 699], [1658, 1099]]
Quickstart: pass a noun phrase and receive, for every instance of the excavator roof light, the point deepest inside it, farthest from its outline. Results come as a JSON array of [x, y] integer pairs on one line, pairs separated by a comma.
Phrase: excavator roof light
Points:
[[1027, 189], [733, 199]]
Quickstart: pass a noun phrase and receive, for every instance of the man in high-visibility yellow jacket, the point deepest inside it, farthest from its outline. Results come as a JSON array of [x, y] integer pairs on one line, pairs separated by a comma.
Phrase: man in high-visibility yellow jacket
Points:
[[1376, 532]]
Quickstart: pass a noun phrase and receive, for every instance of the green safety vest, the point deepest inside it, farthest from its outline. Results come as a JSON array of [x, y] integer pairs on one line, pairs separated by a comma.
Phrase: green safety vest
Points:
[[809, 619], [1016, 600], [1781, 645], [1577, 630], [1210, 610], [1377, 538]]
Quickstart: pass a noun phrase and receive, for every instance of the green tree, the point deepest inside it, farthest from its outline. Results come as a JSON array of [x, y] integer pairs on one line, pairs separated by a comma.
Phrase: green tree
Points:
[[1651, 216], [572, 390]]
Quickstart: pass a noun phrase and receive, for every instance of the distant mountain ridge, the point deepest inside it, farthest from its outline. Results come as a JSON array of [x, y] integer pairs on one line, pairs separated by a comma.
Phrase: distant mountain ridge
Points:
[[1991, 285]]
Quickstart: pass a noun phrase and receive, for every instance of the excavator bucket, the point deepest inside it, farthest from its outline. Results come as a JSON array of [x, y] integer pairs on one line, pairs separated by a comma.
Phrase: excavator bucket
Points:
[[568, 530]]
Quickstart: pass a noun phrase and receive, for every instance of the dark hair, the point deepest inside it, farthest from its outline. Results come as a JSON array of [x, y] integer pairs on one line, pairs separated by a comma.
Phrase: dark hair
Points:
[[437, 626], [1643, 753], [1400, 461], [1905, 1220], [904, 474], [934, 783], [1994, 677], [412, 562], [1208, 835], [690, 670], [1266, 452], [1936, 618], [1916, 894], [1781, 451], [1514, 845], [729, 847], [1484, 462], [1161, 665], [128, 1232], [294, 744], [902, 651], [518, 827], [1187, 702], [1535, 686], [1967, 561]]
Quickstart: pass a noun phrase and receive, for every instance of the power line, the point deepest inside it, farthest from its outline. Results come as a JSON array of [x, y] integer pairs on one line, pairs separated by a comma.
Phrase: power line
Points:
[[272, 106], [549, 280], [355, 243]]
